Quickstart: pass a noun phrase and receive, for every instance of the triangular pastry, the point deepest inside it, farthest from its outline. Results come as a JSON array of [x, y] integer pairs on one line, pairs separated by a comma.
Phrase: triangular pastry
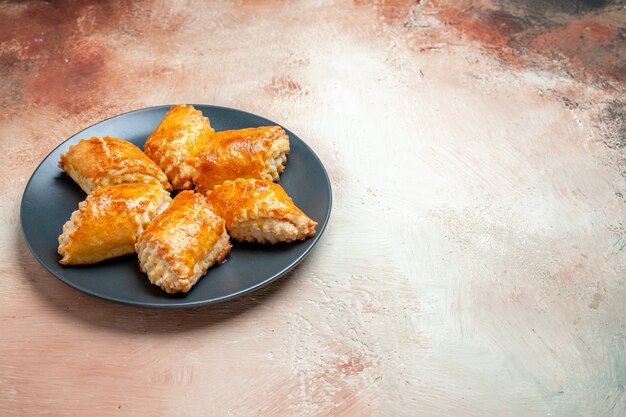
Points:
[[259, 211], [109, 161], [107, 223], [259, 152]]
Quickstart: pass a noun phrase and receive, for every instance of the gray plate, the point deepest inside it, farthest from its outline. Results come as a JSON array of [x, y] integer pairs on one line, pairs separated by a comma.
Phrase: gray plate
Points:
[[51, 196]]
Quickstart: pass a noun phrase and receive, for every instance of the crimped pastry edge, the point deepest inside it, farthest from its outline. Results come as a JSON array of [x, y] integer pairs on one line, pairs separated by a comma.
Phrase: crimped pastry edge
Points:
[[143, 219], [161, 272]]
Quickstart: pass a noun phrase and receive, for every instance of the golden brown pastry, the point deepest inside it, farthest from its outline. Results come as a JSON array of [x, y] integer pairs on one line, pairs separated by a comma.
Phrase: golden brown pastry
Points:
[[182, 243], [107, 223], [259, 211], [109, 161], [259, 152], [176, 142]]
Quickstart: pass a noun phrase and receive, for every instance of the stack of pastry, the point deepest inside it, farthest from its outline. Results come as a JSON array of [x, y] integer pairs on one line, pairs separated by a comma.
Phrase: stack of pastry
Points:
[[129, 209]]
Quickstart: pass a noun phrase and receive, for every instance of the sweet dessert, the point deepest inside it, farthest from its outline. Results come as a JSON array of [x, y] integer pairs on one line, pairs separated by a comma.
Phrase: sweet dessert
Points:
[[108, 222], [177, 141], [109, 161], [182, 243], [259, 211], [259, 152]]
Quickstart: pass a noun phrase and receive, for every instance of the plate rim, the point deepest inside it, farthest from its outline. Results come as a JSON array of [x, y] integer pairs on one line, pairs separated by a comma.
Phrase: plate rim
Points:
[[176, 303]]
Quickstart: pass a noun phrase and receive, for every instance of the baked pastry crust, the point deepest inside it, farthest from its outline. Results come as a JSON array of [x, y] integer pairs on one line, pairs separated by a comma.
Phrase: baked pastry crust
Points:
[[182, 243], [108, 222], [176, 142], [259, 152], [109, 161], [259, 211]]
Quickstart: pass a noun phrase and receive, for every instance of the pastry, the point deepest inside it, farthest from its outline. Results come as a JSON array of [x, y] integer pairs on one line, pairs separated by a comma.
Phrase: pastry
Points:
[[109, 161], [182, 243], [176, 142], [107, 223], [259, 152], [259, 211]]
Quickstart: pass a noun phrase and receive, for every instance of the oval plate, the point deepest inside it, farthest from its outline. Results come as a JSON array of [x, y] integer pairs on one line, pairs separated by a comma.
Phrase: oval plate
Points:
[[51, 196]]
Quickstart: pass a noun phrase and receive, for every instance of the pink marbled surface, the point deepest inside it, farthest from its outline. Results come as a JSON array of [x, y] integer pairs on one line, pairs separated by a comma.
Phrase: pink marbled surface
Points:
[[474, 262]]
